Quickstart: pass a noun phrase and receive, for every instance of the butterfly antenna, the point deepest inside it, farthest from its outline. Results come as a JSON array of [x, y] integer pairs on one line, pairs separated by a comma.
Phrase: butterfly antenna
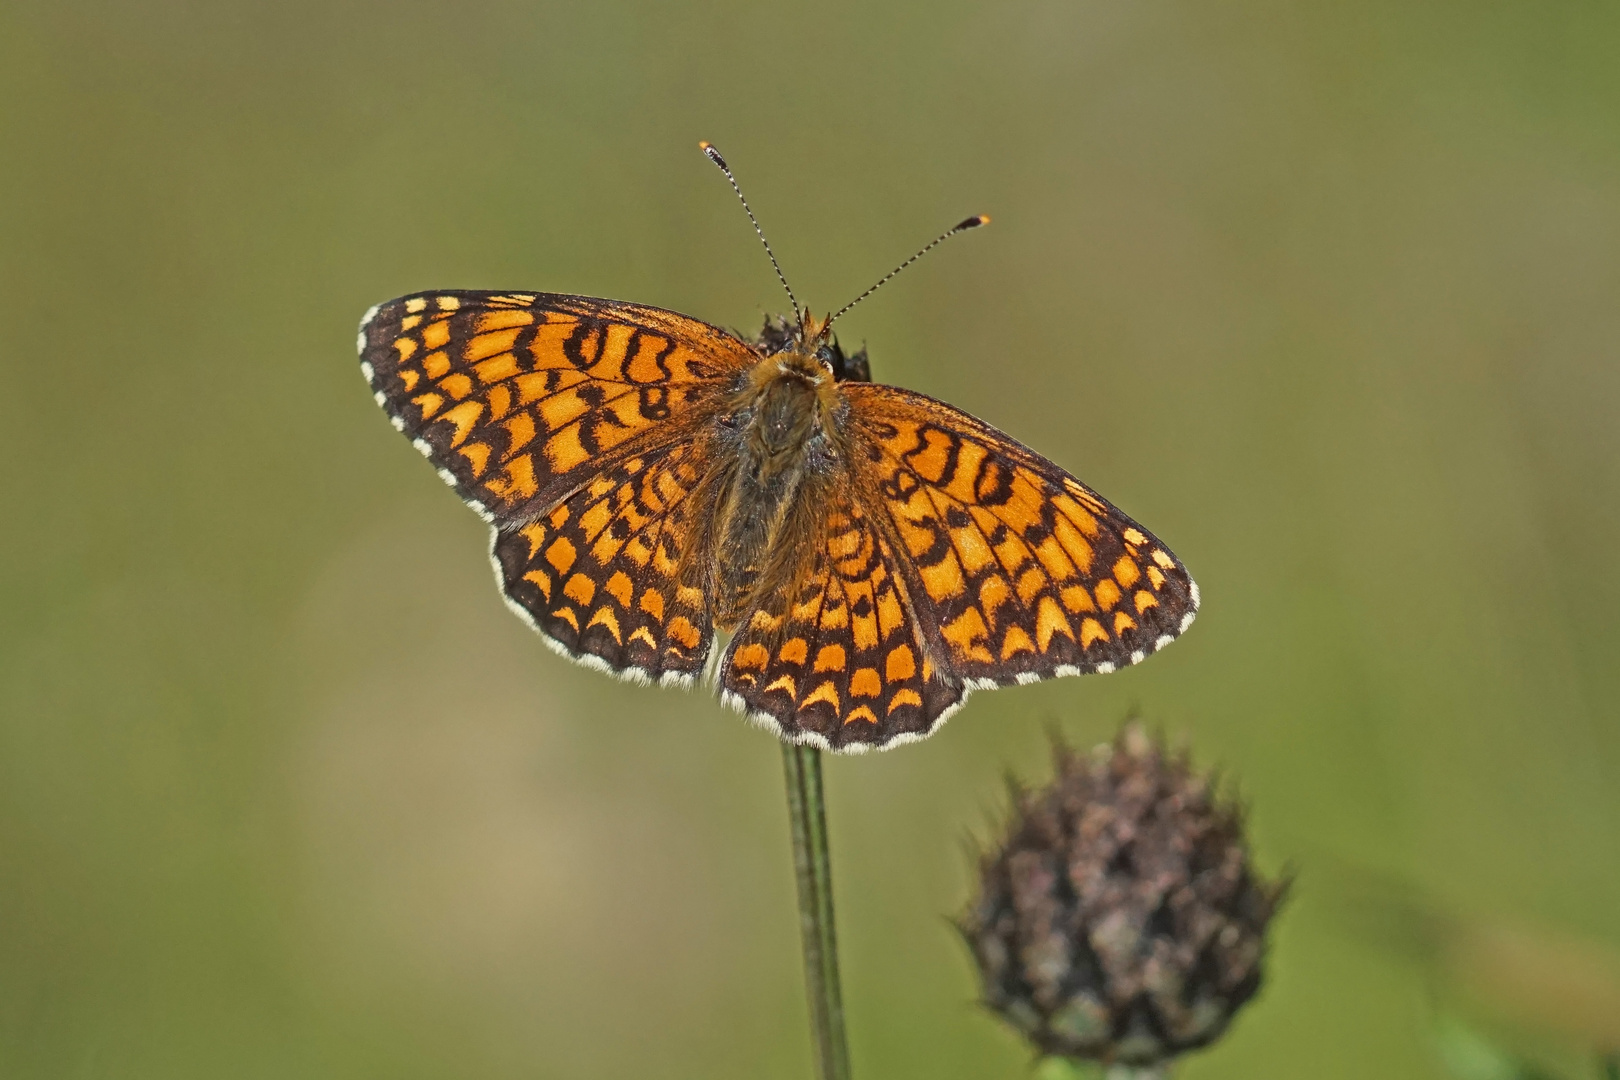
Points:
[[970, 223], [714, 156]]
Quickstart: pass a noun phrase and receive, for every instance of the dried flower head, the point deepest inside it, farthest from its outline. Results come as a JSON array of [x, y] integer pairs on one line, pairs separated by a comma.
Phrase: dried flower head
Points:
[[1119, 920]]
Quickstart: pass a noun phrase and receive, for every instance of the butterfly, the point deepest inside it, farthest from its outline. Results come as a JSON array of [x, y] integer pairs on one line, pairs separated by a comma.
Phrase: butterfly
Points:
[[652, 481]]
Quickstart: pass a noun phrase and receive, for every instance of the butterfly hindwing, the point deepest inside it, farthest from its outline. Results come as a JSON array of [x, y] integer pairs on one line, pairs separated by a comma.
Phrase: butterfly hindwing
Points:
[[1026, 572], [838, 661], [518, 397], [597, 574]]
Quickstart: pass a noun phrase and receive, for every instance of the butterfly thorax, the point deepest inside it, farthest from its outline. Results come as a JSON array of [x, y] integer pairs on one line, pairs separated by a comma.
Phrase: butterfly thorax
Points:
[[783, 425]]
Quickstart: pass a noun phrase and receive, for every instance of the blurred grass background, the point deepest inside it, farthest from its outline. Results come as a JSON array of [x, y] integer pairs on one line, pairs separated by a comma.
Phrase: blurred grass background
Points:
[[1326, 295]]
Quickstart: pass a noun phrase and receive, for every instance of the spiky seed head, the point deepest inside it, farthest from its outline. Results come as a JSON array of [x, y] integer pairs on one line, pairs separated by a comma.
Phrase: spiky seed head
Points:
[[1119, 920]]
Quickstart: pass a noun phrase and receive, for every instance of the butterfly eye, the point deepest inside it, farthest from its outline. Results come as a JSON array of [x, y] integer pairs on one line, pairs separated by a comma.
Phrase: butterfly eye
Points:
[[828, 358]]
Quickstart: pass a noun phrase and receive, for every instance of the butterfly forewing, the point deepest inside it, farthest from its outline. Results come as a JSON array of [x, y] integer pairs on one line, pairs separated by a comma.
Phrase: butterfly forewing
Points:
[[520, 397], [1025, 572]]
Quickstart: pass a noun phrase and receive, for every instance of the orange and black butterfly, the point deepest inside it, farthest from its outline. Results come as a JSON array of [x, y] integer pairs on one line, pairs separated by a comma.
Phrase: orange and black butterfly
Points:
[[652, 480]]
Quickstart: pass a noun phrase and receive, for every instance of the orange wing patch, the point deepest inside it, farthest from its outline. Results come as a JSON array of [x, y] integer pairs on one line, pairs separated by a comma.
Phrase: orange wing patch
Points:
[[596, 576], [840, 664], [517, 397], [1026, 572]]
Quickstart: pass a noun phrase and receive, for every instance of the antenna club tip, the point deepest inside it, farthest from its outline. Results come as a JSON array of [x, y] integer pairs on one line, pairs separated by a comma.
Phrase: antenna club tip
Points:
[[975, 221], [713, 154]]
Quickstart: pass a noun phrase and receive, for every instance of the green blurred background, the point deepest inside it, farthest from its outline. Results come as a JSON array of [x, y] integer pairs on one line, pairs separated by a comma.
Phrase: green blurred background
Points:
[[1326, 295]]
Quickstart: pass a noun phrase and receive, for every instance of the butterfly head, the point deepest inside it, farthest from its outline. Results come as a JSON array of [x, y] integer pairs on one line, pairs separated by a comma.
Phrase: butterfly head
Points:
[[812, 337], [787, 411]]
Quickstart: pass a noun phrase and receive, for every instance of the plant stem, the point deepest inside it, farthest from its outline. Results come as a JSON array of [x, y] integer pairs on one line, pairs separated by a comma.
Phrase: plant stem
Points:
[[808, 819]]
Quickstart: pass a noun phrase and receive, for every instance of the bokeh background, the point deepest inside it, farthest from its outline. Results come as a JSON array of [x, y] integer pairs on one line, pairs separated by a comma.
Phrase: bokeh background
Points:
[[1326, 295]]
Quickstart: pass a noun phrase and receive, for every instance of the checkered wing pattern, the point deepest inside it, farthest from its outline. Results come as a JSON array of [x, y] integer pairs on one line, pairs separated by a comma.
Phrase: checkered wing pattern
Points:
[[1017, 571], [598, 576], [519, 398], [957, 559], [571, 425], [839, 661]]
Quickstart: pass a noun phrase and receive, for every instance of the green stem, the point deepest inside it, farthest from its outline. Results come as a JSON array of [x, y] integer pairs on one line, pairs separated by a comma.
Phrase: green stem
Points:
[[808, 819]]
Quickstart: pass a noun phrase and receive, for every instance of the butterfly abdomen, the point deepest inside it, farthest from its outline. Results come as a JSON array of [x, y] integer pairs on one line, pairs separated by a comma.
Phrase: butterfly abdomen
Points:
[[780, 425]]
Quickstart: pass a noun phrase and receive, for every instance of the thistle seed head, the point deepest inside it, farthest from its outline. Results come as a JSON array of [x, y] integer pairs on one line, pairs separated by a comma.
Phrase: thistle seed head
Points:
[[1119, 919]]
